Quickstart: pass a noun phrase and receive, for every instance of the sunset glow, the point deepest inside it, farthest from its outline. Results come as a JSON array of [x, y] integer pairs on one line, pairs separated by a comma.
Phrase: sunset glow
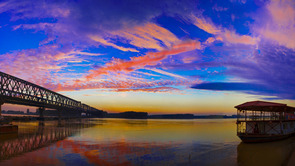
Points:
[[160, 57]]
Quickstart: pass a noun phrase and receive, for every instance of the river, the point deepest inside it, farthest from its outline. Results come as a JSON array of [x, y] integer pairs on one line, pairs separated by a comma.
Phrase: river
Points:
[[137, 142]]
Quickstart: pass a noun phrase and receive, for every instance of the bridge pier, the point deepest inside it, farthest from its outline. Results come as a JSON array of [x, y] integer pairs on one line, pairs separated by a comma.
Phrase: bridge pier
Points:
[[87, 114], [41, 113], [59, 119], [59, 114]]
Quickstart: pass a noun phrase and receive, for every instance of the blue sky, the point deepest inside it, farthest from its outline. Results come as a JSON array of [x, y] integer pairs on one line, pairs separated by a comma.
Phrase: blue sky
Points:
[[201, 57]]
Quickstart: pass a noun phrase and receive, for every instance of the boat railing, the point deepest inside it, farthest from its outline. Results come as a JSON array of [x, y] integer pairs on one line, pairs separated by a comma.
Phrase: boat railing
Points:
[[267, 118], [263, 116]]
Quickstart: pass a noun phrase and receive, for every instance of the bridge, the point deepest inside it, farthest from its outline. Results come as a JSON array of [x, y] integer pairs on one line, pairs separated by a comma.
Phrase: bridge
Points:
[[14, 90]]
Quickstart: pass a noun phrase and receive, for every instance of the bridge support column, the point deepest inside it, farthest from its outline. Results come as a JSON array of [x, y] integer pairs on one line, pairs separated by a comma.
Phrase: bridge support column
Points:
[[87, 114], [41, 111], [59, 119], [59, 115]]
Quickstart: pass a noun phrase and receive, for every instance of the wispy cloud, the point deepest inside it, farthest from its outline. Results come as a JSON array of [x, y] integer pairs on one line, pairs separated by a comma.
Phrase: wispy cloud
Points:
[[150, 90], [107, 43], [205, 25], [88, 53], [166, 73], [221, 33], [149, 36], [268, 72], [135, 28], [121, 85], [279, 24], [40, 65], [151, 58]]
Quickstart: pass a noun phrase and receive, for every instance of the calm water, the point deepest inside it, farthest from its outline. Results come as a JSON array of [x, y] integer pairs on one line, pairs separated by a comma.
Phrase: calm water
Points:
[[137, 142]]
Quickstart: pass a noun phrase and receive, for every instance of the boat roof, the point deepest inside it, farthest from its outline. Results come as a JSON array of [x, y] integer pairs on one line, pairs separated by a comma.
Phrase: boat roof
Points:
[[265, 106]]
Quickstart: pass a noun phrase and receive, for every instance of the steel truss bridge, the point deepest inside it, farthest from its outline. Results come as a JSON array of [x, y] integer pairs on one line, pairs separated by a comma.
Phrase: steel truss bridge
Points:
[[14, 90]]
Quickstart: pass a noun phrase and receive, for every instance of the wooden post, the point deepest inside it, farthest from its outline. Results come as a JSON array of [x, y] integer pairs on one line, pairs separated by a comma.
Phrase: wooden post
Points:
[[237, 120]]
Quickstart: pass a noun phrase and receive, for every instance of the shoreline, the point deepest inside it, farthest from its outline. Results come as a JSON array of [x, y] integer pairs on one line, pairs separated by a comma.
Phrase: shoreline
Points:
[[14, 117], [37, 118]]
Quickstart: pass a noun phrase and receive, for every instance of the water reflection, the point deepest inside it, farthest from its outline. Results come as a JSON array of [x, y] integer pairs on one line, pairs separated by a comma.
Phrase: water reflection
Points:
[[270, 154], [122, 142], [162, 131], [38, 136], [137, 142]]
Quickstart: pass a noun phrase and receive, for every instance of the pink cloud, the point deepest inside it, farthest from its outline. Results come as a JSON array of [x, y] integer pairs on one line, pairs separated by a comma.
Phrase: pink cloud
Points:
[[107, 43], [124, 85], [167, 73], [280, 26], [232, 37], [222, 34], [189, 59], [210, 40], [151, 90], [205, 25], [151, 58], [148, 36], [38, 65]]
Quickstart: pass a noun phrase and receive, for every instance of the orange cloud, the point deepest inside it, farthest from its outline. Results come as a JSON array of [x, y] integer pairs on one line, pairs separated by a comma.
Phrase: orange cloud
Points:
[[205, 25], [151, 58], [148, 36]]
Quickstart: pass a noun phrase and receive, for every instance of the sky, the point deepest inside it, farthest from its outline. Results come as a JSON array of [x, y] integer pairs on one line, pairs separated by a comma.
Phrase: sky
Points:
[[170, 56]]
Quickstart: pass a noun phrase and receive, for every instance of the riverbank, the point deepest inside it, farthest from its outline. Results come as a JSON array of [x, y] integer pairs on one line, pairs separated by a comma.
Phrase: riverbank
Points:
[[37, 118]]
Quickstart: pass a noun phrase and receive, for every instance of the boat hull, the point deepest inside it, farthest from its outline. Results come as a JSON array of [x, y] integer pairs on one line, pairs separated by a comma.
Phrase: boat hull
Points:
[[262, 138]]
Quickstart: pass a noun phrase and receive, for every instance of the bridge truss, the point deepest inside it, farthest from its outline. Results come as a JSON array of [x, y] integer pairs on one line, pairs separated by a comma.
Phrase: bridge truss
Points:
[[14, 90]]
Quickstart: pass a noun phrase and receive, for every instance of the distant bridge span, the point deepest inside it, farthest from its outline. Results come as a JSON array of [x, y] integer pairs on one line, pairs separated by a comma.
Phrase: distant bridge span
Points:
[[14, 90]]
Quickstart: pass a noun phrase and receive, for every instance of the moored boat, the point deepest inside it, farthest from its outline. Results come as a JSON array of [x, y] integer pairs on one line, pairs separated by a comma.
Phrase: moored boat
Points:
[[260, 121]]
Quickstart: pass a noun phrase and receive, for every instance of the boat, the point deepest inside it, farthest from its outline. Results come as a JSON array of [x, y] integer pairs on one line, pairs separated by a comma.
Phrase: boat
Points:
[[261, 121]]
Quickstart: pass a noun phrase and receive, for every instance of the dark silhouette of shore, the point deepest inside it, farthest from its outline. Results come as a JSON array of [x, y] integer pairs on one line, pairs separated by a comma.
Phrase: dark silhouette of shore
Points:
[[103, 114]]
